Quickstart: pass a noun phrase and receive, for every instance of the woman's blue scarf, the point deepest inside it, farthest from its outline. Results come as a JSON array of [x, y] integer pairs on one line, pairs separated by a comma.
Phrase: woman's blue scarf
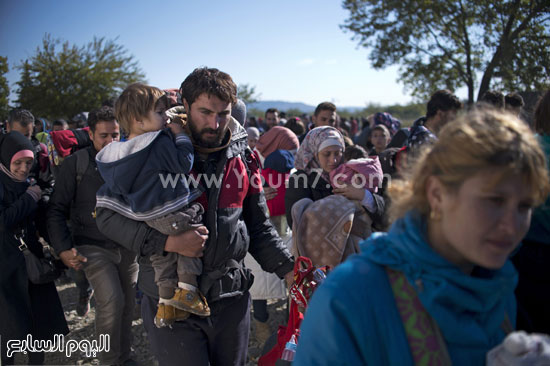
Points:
[[469, 309]]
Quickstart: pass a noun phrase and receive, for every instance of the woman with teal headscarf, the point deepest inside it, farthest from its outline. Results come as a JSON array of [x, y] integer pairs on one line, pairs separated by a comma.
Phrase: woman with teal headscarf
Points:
[[438, 288]]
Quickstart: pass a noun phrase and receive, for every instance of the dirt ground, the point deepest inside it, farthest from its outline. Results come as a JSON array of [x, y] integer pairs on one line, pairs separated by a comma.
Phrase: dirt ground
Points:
[[82, 328]]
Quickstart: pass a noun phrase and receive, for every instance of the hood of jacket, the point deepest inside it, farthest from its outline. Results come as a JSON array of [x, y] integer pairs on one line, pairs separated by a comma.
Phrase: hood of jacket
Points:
[[238, 133], [120, 162], [469, 309]]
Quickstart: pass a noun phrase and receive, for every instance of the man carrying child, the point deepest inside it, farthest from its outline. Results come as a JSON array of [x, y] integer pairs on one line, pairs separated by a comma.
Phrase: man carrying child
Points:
[[235, 221]]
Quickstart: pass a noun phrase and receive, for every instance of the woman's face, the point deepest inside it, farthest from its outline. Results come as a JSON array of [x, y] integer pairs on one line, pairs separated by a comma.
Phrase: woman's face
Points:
[[330, 158], [481, 225], [21, 168]]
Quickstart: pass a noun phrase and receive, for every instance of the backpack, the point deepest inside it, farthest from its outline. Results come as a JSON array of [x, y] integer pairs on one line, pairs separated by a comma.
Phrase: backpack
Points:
[[82, 162], [392, 159], [66, 142]]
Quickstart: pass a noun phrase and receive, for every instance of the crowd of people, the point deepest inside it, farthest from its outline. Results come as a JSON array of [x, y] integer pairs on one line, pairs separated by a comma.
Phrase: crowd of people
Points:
[[437, 235]]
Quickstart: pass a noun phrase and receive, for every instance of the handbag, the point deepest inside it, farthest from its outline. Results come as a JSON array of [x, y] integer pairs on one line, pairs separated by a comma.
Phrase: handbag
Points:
[[40, 270]]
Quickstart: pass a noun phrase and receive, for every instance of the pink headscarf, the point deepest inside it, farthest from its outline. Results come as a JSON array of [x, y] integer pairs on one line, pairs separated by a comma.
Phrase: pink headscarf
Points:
[[315, 141], [277, 138], [369, 171]]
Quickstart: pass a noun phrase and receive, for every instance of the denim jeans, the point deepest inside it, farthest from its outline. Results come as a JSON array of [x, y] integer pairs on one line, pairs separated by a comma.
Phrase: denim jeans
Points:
[[113, 276]]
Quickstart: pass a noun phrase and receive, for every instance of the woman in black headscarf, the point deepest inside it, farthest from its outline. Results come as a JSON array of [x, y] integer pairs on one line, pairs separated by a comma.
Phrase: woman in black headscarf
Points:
[[25, 308]]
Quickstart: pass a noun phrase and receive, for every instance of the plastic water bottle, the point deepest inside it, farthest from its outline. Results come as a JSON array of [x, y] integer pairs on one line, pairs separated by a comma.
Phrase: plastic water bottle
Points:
[[319, 276], [290, 349]]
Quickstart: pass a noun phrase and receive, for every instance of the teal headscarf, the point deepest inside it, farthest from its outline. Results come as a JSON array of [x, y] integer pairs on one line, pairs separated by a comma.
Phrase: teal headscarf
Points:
[[469, 309]]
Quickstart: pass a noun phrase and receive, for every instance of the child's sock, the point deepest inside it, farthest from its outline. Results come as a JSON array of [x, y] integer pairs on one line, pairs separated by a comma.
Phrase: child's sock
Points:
[[187, 286], [188, 282], [166, 293]]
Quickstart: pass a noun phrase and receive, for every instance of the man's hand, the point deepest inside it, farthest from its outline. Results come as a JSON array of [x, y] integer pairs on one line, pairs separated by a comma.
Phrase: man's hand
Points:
[[72, 259], [188, 243], [270, 193]]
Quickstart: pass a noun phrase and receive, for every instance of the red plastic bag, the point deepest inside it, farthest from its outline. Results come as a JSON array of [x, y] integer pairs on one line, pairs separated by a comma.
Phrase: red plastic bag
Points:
[[306, 281]]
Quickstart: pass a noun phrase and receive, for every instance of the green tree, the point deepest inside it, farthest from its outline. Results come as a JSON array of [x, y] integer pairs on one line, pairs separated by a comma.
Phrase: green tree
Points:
[[4, 88], [63, 82], [449, 44], [247, 93]]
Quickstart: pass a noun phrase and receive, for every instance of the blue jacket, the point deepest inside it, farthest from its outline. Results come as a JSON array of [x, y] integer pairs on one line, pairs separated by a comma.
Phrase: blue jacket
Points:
[[143, 175], [539, 231], [360, 321], [280, 160]]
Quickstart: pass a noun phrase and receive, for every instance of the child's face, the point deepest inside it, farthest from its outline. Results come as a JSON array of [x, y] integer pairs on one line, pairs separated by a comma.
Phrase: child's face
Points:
[[252, 141], [155, 120], [379, 140]]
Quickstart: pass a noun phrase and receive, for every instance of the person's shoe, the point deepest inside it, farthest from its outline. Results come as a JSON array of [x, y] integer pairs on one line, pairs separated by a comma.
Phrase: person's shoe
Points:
[[167, 315], [263, 331], [189, 300], [83, 305]]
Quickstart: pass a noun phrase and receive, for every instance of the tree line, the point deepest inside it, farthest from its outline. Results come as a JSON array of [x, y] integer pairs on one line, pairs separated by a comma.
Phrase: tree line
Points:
[[438, 44]]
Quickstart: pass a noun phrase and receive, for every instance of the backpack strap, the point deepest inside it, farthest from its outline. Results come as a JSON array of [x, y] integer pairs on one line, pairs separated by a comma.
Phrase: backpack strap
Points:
[[246, 157], [82, 162], [421, 329]]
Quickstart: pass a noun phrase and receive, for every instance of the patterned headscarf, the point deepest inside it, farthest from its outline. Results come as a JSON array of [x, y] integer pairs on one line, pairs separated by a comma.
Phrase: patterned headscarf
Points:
[[315, 141], [386, 119]]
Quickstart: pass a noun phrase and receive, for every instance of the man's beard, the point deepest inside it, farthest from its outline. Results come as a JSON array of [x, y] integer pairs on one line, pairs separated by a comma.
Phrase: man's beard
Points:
[[197, 135]]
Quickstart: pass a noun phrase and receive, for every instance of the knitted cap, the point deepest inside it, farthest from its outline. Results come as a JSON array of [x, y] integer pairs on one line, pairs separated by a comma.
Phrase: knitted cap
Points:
[[239, 111]]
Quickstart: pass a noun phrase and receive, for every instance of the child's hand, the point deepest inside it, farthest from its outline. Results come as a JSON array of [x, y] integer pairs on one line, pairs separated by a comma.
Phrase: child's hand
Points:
[[176, 128], [35, 192], [178, 117], [174, 111]]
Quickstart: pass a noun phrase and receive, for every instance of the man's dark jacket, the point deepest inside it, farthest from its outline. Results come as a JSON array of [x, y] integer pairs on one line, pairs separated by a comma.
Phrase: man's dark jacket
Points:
[[76, 201]]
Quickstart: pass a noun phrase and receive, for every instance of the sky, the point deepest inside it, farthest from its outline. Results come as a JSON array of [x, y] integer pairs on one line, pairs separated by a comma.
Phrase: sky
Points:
[[289, 50]]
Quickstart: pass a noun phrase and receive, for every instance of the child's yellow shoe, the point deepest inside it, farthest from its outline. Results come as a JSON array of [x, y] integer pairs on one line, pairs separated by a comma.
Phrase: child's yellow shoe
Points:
[[191, 301], [167, 315]]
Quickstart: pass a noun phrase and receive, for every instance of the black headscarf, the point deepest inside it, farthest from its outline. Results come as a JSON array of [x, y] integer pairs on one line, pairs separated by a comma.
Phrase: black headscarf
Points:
[[10, 144]]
